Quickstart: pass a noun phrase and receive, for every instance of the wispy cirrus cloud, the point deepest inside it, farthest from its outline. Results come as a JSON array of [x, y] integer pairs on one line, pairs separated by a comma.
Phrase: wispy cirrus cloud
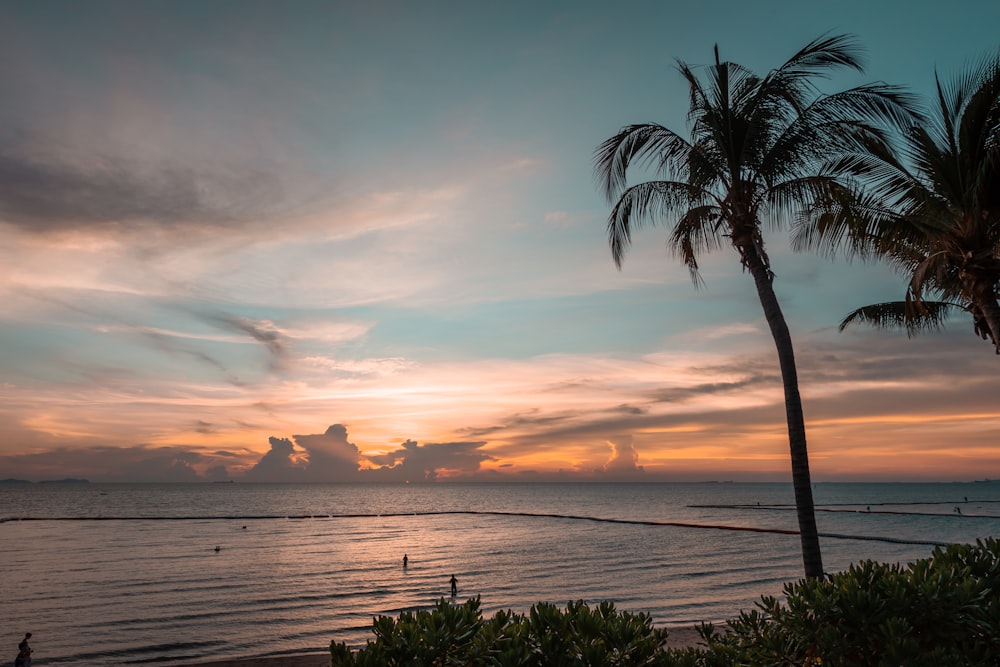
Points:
[[63, 193]]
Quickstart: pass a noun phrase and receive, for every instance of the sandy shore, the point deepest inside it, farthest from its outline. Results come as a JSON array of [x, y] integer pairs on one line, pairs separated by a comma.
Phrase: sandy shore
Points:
[[301, 660], [679, 637]]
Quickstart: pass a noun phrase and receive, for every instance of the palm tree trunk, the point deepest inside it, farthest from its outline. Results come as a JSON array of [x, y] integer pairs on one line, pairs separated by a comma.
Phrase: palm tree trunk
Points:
[[801, 482], [991, 313]]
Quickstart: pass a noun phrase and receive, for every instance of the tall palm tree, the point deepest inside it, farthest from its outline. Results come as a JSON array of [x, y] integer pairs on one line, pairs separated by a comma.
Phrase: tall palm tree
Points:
[[755, 155], [931, 209]]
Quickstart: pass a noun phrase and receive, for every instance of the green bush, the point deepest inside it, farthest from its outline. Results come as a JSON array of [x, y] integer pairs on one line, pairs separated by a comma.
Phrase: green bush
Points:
[[546, 636], [942, 610], [939, 611]]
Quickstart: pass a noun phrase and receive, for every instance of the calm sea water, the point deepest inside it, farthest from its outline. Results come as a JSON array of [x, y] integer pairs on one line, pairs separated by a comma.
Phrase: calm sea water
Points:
[[135, 578]]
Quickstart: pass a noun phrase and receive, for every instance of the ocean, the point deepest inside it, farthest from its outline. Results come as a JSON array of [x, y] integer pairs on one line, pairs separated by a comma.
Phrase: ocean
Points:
[[119, 574]]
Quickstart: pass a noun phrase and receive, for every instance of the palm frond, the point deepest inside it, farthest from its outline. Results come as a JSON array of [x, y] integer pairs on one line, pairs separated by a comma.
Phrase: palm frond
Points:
[[644, 204], [695, 232], [839, 216], [645, 144], [873, 161], [855, 121], [787, 90], [897, 315], [707, 168], [933, 269], [823, 53], [979, 135], [697, 98]]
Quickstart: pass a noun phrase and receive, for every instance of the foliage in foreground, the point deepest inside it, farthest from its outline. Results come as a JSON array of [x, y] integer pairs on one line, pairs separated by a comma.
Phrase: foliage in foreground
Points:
[[942, 610], [546, 635]]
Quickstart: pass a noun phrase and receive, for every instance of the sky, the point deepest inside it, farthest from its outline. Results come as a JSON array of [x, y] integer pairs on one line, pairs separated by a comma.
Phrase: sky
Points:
[[362, 241]]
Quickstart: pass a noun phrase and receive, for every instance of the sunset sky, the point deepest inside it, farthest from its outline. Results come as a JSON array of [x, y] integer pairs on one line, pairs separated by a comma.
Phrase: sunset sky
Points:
[[361, 241]]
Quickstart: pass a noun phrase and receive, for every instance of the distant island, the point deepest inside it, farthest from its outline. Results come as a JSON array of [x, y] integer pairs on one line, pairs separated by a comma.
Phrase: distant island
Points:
[[68, 480]]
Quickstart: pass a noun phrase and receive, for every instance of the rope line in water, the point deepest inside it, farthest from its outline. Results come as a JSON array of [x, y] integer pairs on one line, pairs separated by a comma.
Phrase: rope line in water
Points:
[[573, 517], [789, 508], [898, 502]]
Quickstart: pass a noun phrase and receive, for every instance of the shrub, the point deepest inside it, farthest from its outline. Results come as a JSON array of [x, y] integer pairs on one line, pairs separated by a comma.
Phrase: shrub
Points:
[[943, 610], [546, 636], [939, 611]]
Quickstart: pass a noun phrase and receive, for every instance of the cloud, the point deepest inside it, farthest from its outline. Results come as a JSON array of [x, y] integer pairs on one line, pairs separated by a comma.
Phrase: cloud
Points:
[[170, 466], [203, 427], [279, 464], [869, 398], [531, 419], [114, 464], [624, 457], [715, 333], [565, 220], [331, 457], [63, 192], [328, 332], [217, 473], [524, 164], [727, 413], [682, 394], [263, 331], [212, 349], [415, 462]]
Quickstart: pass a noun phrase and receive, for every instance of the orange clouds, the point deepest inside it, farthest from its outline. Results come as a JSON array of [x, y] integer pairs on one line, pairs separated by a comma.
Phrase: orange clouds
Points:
[[664, 416]]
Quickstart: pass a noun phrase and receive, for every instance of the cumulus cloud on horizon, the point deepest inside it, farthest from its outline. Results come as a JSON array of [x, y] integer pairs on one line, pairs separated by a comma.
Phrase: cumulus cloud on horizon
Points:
[[325, 457], [624, 457], [331, 457]]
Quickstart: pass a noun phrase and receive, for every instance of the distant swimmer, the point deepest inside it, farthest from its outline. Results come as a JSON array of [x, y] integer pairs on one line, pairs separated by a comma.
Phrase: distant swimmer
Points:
[[958, 510], [406, 559], [218, 549], [454, 586], [23, 658]]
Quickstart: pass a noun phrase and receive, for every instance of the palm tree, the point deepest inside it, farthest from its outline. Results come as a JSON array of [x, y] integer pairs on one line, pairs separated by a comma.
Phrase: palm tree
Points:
[[932, 210], [755, 155]]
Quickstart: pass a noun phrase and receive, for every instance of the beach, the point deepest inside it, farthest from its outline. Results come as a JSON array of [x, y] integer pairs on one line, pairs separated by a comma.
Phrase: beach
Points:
[[298, 660], [679, 638]]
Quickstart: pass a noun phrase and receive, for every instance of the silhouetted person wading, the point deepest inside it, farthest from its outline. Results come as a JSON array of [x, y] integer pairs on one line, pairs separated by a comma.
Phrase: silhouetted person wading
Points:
[[23, 652]]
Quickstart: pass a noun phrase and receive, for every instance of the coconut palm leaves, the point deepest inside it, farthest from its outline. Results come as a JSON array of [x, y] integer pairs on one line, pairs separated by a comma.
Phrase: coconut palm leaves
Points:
[[931, 210], [755, 155], [931, 315]]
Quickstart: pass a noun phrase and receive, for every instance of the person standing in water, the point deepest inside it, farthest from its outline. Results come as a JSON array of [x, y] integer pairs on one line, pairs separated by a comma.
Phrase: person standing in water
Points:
[[454, 586], [406, 559], [23, 652]]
